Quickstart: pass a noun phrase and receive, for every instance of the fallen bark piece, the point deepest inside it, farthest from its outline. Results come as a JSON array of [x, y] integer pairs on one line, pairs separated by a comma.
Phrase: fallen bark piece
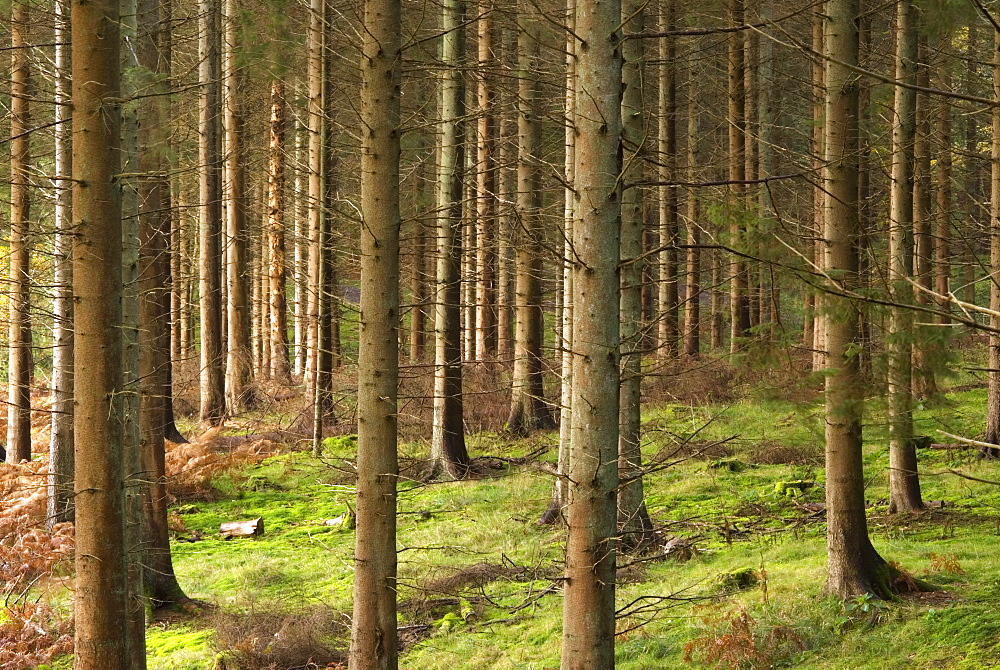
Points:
[[251, 528]]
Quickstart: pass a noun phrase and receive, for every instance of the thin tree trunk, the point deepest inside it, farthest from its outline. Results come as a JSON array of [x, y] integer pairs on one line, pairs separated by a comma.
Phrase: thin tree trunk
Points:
[[507, 179], [210, 217], [993, 392], [554, 511], [239, 370], [633, 519], [669, 305], [19, 332], [486, 191], [528, 410], [60, 481], [904, 487], [692, 310], [853, 565], [280, 369], [814, 301], [739, 303], [448, 453]]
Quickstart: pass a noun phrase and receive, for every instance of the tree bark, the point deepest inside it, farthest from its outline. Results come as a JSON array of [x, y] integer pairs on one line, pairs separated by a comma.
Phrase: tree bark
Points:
[[239, 370], [853, 565], [528, 410], [101, 588], [373, 629], [448, 453], [210, 217], [19, 332], [993, 392], [692, 310], [633, 519], [280, 368], [668, 300], [60, 481], [739, 301], [904, 486], [486, 190], [589, 600]]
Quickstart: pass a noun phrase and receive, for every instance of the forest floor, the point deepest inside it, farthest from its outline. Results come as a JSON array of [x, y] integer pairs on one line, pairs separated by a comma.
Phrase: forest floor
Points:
[[734, 580]]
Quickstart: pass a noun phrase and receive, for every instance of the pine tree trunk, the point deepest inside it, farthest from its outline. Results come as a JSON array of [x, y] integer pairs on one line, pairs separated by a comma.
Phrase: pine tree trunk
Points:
[[633, 519], [904, 487], [239, 371], [692, 310], [448, 453], [280, 369], [589, 595], [528, 411], [210, 217], [101, 600], [373, 628], [739, 301], [507, 180], [60, 482], [669, 305], [19, 331], [993, 392], [486, 191], [853, 565]]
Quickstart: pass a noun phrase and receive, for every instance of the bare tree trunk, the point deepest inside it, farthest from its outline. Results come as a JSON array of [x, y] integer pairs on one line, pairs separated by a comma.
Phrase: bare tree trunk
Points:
[[280, 370], [904, 487], [993, 393], [239, 370], [589, 595], [739, 302], [19, 332], [507, 180], [528, 410], [373, 626], [554, 511], [692, 310], [942, 217], [815, 300], [101, 604], [633, 519], [210, 217], [853, 565], [924, 378], [669, 305], [60, 482], [486, 191], [448, 452]]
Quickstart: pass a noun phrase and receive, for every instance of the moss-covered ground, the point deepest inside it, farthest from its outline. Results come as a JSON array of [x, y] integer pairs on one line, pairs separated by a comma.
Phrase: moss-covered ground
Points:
[[739, 483]]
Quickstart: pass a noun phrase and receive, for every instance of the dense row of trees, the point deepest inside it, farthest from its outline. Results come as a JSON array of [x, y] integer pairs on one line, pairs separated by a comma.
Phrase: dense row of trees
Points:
[[574, 196]]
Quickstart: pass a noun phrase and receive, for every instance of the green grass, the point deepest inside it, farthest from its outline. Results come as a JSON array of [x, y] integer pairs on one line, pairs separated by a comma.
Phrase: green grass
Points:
[[443, 528]]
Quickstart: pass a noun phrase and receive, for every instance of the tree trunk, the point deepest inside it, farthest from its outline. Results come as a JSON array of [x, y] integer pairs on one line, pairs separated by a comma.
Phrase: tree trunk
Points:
[[373, 628], [280, 369], [589, 596], [815, 300], [101, 604], [554, 512], [692, 310], [904, 487], [634, 523], [239, 371], [448, 453], [669, 305], [924, 377], [507, 179], [853, 565], [486, 191], [993, 393], [528, 410], [19, 332], [60, 481], [210, 217], [943, 212], [739, 302]]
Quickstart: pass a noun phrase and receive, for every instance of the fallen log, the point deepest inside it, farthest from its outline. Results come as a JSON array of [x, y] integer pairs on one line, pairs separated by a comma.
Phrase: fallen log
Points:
[[251, 528]]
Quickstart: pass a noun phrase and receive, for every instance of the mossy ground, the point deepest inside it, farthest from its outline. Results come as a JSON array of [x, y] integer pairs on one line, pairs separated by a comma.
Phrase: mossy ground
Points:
[[476, 569]]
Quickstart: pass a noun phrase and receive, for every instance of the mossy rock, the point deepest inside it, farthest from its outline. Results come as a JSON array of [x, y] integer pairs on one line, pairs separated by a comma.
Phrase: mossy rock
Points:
[[730, 464], [259, 483], [793, 488], [738, 580]]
